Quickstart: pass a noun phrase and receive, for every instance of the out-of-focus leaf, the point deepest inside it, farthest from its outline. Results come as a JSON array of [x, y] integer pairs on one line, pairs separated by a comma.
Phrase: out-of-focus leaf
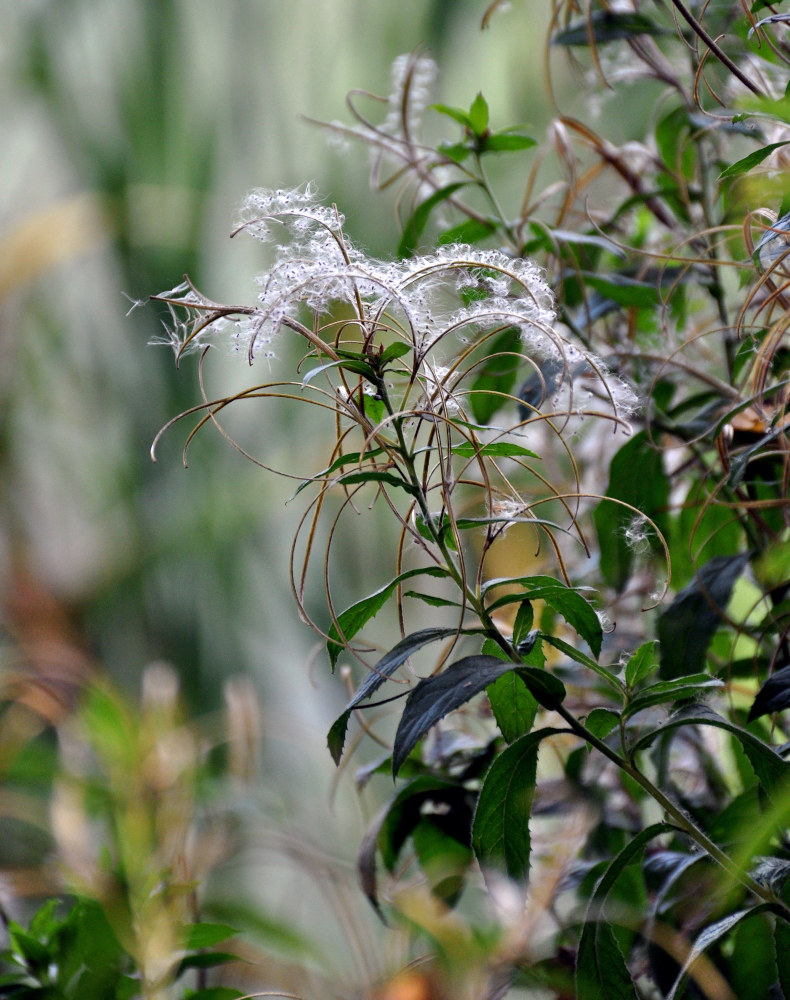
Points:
[[435, 696], [500, 832], [607, 26], [496, 376], [710, 936], [506, 142], [457, 114], [471, 231], [772, 770], [637, 478], [385, 668], [478, 115], [623, 290], [442, 857], [355, 617], [207, 935], [601, 972], [339, 462], [773, 696], [416, 223], [686, 628]]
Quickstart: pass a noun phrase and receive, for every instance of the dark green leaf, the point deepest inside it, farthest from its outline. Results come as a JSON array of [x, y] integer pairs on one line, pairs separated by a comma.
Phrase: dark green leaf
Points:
[[710, 936], [680, 689], [500, 832], [358, 367], [434, 697], [611, 679], [206, 960], [606, 26], [772, 770], [782, 943], [385, 668], [415, 225], [601, 972], [374, 476], [513, 705], [745, 164], [623, 290], [351, 458], [216, 993], [773, 696], [355, 617], [601, 722], [547, 689], [525, 618], [686, 628]]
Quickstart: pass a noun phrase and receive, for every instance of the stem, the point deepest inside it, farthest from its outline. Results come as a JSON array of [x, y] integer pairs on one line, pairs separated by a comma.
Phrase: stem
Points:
[[723, 58]]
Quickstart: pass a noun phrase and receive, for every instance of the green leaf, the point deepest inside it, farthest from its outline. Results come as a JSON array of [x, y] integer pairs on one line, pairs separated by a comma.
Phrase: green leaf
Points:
[[500, 832], [686, 628], [351, 458], [547, 689], [643, 662], [525, 618], [206, 935], [394, 351], [506, 142], [496, 449], [457, 114], [385, 668], [415, 225], [710, 936], [375, 476], [782, 943], [215, 993], [603, 672], [623, 290], [205, 960], [496, 376], [679, 689], [601, 972], [355, 617], [601, 721], [772, 770], [513, 704], [636, 478], [455, 151], [442, 857], [606, 26], [471, 231], [478, 115], [358, 367], [745, 164], [435, 697]]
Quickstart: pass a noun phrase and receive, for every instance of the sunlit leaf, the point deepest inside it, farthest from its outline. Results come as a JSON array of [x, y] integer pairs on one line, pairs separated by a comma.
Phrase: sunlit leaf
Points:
[[745, 164]]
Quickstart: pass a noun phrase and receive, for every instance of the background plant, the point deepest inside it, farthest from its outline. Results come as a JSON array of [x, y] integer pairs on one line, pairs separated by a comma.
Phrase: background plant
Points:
[[667, 263]]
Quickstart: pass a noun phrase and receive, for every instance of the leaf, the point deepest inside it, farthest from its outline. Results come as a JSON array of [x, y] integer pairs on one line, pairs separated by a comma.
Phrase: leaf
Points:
[[394, 351], [575, 609], [687, 626], [471, 231], [350, 621], [680, 689], [359, 367], [506, 142], [416, 223], [603, 672], [217, 993], [500, 831], [513, 704], [478, 115], [385, 667], [601, 972], [606, 26], [636, 478], [206, 935], [352, 457], [434, 697], [623, 290], [496, 449], [375, 476], [745, 164], [457, 114], [641, 663], [525, 618], [710, 936], [773, 696], [601, 722], [772, 770]]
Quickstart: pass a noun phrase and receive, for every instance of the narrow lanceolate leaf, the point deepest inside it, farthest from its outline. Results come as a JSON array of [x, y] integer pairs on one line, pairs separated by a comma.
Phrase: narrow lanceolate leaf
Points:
[[607, 26], [682, 689], [385, 668], [496, 449], [352, 458], [500, 831], [434, 697], [771, 769], [415, 225], [355, 617], [744, 165], [578, 657], [708, 937], [601, 970]]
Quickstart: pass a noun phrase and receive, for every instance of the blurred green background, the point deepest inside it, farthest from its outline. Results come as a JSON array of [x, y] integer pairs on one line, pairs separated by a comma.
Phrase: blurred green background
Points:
[[131, 131]]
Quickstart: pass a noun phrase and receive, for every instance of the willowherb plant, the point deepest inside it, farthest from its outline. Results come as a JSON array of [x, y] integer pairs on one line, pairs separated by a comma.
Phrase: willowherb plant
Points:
[[657, 311]]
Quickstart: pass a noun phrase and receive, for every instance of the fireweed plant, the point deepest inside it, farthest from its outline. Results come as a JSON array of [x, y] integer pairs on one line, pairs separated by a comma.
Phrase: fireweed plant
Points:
[[589, 379]]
